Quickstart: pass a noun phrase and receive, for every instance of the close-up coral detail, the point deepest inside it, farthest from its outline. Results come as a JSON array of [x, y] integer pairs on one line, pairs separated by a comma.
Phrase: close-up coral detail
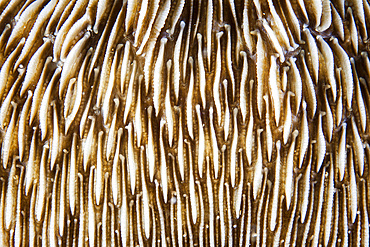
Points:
[[184, 123]]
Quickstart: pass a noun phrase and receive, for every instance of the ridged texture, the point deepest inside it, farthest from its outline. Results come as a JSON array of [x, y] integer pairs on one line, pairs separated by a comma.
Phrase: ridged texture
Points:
[[184, 123]]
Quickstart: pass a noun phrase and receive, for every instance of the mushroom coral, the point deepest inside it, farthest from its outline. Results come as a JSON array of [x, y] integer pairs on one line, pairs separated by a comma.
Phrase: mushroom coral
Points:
[[184, 122]]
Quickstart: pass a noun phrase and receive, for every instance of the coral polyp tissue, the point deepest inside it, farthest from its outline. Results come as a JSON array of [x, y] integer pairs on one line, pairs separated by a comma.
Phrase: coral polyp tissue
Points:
[[184, 123]]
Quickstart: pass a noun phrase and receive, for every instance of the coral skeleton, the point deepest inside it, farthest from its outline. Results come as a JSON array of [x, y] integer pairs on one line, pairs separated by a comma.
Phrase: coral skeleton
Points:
[[184, 123]]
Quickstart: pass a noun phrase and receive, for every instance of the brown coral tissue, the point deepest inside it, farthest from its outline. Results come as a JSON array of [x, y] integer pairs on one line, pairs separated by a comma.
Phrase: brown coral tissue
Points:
[[184, 123]]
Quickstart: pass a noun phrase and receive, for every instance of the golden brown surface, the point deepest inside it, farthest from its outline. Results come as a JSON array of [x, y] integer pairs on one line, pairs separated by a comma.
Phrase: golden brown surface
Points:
[[184, 123]]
